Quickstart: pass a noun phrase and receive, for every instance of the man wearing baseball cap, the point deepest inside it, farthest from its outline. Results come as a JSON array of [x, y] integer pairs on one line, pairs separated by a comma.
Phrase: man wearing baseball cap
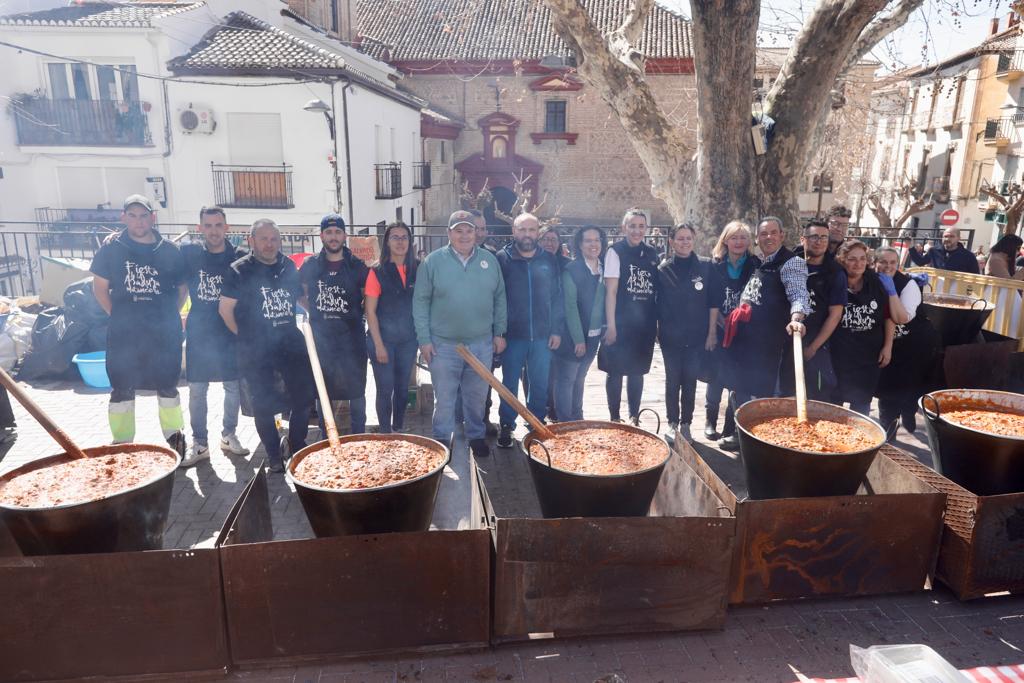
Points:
[[459, 299], [333, 281], [138, 279]]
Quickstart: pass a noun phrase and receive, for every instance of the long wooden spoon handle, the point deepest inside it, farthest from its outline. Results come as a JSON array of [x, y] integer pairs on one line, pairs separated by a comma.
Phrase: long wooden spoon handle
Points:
[[58, 434], [321, 389], [801, 383], [539, 427]]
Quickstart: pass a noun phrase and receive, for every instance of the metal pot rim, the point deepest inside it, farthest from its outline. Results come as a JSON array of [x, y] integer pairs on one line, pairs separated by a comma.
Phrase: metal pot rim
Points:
[[957, 425], [578, 425], [880, 432], [935, 299], [348, 438], [37, 464]]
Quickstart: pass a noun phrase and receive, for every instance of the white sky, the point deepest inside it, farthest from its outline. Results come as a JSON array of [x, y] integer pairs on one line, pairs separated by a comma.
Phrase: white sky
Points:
[[940, 29]]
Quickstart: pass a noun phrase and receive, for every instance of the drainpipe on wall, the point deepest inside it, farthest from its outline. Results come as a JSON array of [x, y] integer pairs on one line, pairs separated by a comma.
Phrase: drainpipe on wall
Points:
[[348, 148]]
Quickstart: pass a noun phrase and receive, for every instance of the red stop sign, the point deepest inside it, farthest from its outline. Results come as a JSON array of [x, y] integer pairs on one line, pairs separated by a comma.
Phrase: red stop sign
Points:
[[949, 217]]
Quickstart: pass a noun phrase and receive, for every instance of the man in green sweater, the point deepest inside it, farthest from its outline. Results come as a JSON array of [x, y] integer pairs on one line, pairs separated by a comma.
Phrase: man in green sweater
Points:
[[459, 299]]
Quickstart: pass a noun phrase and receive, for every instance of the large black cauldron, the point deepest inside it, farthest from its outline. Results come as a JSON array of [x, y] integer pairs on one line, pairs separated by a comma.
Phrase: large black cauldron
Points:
[[985, 464], [777, 472], [569, 494], [405, 506], [957, 319], [133, 519]]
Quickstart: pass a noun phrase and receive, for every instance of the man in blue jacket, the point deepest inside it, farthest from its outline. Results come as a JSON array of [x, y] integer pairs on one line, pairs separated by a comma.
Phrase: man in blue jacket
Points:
[[950, 256], [536, 313]]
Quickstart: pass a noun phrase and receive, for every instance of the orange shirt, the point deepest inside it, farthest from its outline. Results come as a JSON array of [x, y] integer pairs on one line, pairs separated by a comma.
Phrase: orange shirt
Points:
[[373, 284]]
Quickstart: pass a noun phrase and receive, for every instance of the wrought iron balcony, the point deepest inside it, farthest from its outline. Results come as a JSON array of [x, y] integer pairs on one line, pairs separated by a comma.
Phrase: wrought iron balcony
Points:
[[1011, 63], [421, 175], [253, 187], [389, 180], [999, 132], [99, 123]]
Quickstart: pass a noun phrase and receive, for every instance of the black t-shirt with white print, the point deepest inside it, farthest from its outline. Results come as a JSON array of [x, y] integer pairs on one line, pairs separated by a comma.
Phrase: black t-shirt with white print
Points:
[[266, 296]]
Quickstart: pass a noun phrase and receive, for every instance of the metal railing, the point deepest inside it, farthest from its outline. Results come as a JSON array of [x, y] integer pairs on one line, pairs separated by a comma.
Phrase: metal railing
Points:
[[252, 187], [421, 175], [389, 180], [99, 123], [998, 129], [1010, 61]]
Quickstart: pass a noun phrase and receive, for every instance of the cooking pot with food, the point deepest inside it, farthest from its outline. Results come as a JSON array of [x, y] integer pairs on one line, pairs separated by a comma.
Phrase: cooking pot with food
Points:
[[381, 483], [129, 514], [791, 467], [958, 319], [595, 469], [977, 438]]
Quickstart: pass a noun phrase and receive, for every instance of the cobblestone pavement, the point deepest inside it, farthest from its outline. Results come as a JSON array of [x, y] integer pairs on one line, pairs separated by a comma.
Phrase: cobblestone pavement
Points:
[[780, 642]]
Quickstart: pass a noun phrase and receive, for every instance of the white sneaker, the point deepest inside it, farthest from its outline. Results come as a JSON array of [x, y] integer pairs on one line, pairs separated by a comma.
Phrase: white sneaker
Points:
[[683, 432], [670, 433], [195, 454], [232, 446]]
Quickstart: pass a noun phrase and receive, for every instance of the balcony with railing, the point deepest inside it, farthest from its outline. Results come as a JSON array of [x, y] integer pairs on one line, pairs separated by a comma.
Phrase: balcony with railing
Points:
[[389, 180], [998, 132], [940, 189], [421, 175], [1010, 64], [253, 187], [93, 123]]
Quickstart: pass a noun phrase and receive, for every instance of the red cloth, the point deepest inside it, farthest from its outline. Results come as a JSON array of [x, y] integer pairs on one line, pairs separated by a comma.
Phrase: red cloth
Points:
[[740, 314]]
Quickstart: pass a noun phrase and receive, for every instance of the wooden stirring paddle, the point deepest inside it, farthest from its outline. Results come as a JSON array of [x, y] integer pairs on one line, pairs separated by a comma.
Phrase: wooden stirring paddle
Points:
[[539, 427], [801, 384], [58, 434], [321, 390]]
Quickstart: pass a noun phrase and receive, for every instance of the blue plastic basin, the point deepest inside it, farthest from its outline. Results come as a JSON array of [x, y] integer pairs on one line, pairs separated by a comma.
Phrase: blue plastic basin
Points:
[[93, 368]]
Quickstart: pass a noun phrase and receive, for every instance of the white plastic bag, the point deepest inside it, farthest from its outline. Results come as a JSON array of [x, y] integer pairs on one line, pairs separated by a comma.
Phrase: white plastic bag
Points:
[[903, 664], [16, 338]]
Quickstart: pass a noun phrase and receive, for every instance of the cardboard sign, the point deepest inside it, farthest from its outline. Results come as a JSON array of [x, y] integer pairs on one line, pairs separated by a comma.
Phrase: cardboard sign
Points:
[[366, 248]]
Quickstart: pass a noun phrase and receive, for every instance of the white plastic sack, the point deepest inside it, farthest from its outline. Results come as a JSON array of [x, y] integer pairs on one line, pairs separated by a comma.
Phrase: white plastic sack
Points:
[[903, 664], [16, 338]]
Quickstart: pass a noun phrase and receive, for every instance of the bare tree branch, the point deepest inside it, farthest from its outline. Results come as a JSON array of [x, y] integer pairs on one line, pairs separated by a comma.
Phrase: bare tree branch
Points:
[[877, 30], [623, 40]]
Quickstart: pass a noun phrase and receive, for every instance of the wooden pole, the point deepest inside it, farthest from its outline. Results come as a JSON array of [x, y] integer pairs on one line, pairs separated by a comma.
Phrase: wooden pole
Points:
[[801, 384], [58, 434], [321, 390]]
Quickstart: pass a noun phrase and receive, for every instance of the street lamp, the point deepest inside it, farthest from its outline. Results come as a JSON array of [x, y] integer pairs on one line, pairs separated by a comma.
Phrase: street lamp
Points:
[[317, 105]]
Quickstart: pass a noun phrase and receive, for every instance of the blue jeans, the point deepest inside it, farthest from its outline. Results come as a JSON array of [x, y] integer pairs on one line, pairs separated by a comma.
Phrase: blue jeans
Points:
[[568, 376], [449, 373], [392, 380], [197, 409], [536, 356]]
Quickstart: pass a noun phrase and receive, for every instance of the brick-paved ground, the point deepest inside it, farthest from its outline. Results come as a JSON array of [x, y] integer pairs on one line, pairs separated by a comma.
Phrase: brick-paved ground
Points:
[[781, 642]]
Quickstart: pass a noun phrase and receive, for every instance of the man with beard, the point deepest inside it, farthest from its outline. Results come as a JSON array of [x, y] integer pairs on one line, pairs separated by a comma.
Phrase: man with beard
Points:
[[210, 352], [952, 255], [333, 282], [826, 289], [838, 225], [536, 314], [137, 278], [257, 304]]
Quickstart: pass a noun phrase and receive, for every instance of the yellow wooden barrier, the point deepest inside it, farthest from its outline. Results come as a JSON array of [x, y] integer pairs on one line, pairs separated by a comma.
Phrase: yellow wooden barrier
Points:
[[1007, 319]]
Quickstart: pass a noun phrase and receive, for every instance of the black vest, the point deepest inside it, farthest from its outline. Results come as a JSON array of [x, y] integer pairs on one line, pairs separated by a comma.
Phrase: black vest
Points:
[[394, 308], [683, 301], [635, 305], [819, 286], [586, 291], [767, 299]]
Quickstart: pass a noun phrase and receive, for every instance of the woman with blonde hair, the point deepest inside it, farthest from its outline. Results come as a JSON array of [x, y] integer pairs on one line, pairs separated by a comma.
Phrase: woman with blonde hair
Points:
[[732, 262]]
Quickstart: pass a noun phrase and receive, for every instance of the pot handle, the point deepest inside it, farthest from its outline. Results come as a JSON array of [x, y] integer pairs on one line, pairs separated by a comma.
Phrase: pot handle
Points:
[[652, 410], [983, 302], [538, 442], [933, 414]]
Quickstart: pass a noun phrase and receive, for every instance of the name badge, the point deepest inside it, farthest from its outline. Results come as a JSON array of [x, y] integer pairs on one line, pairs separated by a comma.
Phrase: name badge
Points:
[[484, 265], [698, 283]]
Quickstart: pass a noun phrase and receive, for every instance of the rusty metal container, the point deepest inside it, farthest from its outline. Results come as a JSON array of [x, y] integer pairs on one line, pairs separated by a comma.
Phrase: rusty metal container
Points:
[[570, 494], [776, 472], [133, 519], [404, 506], [985, 464], [958, 319]]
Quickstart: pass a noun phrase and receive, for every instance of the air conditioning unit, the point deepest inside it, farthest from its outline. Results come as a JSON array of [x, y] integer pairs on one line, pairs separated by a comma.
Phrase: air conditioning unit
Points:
[[196, 120]]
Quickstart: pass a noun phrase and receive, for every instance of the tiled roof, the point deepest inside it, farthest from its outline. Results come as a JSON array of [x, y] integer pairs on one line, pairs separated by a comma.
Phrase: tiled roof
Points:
[[481, 30], [100, 14], [243, 45]]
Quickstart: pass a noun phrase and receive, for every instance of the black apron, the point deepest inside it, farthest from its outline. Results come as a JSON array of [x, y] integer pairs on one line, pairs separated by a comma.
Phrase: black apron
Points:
[[144, 336], [211, 353], [336, 315], [636, 313], [586, 294], [726, 291], [756, 351], [914, 348], [683, 302], [858, 340]]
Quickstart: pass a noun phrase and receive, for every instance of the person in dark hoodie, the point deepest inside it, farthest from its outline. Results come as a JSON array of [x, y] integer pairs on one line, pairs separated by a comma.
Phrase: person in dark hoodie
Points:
[[137, 281], [210, 349], [257, 303], [333, 282], [536, 314], [952, 255], [391, 335], [686, 316]]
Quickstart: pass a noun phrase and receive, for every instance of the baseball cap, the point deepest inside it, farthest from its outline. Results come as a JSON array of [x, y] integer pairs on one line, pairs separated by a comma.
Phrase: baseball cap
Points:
[[332, 220], [460, 217], [139, 199]]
